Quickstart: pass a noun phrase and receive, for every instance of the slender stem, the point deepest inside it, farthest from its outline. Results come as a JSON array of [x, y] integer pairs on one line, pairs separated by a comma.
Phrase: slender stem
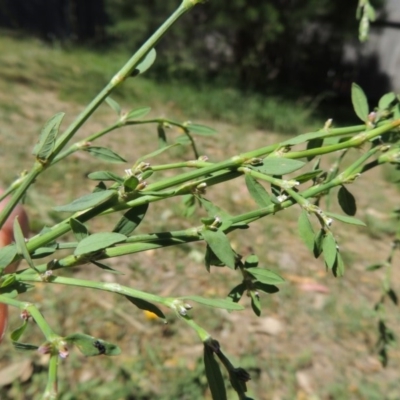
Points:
[[51, 391]]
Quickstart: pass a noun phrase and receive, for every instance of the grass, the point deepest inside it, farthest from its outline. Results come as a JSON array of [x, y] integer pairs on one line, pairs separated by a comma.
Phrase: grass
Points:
[[78, 74], [328, 339]]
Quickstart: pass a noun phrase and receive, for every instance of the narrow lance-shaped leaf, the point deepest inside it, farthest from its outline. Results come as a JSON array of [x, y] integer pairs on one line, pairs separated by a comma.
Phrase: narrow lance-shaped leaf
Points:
[[217, 303], [264, 287], [162, 137], [98, 241], [131, 220], [306, 230], [91, 346], [220, 245], [255, 303], [251, 261], [257, 192], [329, 249], [211, 259], [318, 241], [314, 144], [201, 130], [236, 293], [105, 176], [347, 201], [106, 267], [88, 201], [7, 254], [114, 105], [21, 245], [265, 276], [279, 166], [214, 375], [386, 100], [346, 219], [146, 63], [156, 152], [338, 268], [47, 139], [104, 154], [78, 229], [17, 333], [360, 102], [145, 305], [138, 113]]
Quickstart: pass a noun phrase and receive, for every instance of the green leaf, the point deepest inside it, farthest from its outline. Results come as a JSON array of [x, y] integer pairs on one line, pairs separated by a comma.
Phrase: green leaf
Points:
[[201, 130], [47, 139], [265, 276], [257, 192], [87, 201], [306, 230], [7, 254], [145, 305], [386, 100], [131, 220], [130, 183], [279, 166], [393, 296], [105, 176], [98, 241], [346, 219], [183, 140], [189, 202], [162, 137], [376, 266], [91, 346], [156, 153], [78, 229], [17, 333], [347, 201], [308, 176], [318, 241], [24, 346], [104, 154], [21, 244], [145, 63], [211, 259], [329, 249], [304, 137], [251, 261], [338, 268], [360, 102], [213, 210], [270, 289], [44, 251], [217, 303], [220, 245], [214, 375], [138, 113], [255, 303], [236, 293], [313, 144], [106, 267], [114, 105]]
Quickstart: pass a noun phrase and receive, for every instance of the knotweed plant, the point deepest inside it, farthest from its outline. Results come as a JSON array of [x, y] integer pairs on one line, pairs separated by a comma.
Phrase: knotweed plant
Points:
[[264, 172]]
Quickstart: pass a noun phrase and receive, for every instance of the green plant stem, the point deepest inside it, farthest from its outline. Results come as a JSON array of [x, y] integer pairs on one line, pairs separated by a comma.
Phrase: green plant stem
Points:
[[108, 287], [214, 173], [34, 313], [51, 391]]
